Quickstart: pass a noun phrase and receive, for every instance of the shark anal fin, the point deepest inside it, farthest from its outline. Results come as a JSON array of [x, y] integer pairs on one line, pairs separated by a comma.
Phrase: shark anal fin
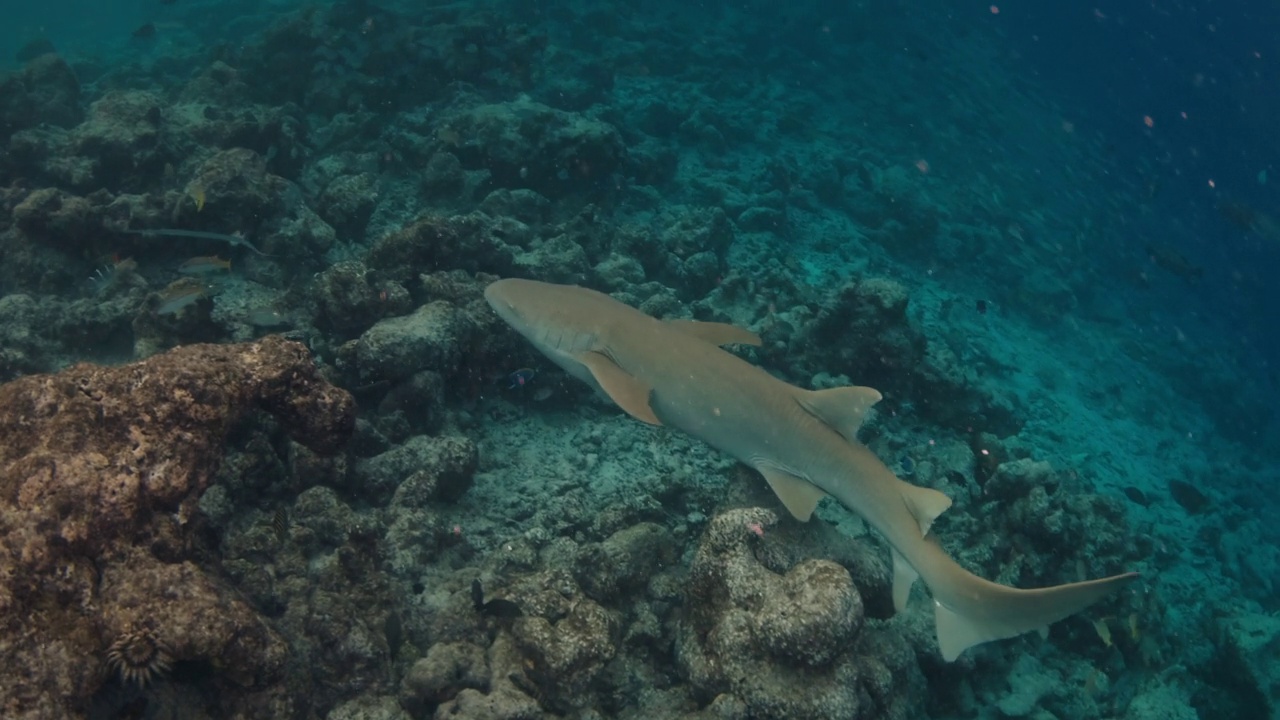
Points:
[[904, 576], [957, 633], [925, 504], [798, 495], [716, 333], [842, 408], [624, 389]]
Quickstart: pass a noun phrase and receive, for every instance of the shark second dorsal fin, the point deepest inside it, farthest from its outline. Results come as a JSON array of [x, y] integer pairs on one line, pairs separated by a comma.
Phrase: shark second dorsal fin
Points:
[[842, 408], [925, 504], [624, 389], [716, 333], [798, 495]]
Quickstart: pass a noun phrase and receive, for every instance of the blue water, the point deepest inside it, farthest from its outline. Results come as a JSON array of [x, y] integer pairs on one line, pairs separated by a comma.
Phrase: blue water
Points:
[[1049, 235]]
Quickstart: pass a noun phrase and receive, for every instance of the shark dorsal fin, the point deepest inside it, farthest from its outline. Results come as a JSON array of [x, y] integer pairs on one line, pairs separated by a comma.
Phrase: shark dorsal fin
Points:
[[798, 495], [842, 408], [716, 333], [623, 388]]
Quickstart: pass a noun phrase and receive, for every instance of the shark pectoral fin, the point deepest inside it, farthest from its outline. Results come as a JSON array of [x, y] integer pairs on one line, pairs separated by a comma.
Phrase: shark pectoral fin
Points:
[[925, 504], [799, 495], [625, 390], [716, 333], [904, 576], [842, 408]]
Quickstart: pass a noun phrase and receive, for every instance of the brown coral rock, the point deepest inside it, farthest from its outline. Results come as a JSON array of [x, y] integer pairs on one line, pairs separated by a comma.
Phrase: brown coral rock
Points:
[[100, 470]]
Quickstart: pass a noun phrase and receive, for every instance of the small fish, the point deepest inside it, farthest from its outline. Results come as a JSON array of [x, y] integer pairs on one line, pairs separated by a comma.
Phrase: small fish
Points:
[[196, 192], [907, 465], [449, 136], [235, 238], [393, 631], [981, 307], [179, 295], [1103, 630], [145, 32], [204, 265], [1134, 632], [267, 318], [520, 378], [1174, 262], [106, 276], [493, 608], [1091, 683], [542, 393], [280, 523]]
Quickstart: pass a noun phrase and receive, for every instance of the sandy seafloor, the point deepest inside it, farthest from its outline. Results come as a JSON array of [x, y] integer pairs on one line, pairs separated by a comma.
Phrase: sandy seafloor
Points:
[[877, 191]]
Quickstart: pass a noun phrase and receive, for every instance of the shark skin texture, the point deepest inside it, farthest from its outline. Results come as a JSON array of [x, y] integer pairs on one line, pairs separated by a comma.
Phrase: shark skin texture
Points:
[[803, 442]]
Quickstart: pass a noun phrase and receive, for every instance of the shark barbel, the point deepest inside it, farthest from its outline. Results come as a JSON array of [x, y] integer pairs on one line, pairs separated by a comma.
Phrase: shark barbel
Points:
[[673, 373]]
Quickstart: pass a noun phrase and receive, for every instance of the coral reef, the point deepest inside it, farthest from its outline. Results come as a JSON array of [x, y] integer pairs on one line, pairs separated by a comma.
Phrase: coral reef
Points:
[[353, 174], [100, 470]]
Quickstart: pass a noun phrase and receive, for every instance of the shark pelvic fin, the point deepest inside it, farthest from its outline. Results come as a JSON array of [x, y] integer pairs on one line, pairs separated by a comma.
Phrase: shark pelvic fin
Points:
[[925, 504], [799, 495], [842, 408], [624, 389], [904, 576], [716, 333]]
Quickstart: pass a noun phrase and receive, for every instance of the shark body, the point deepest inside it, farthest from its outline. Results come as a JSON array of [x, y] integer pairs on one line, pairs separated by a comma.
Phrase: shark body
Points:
[[803, 442]]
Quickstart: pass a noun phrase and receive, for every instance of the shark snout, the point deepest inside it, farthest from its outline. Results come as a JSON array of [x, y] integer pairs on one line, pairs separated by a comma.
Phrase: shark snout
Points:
[[497, 297], [504, 296]]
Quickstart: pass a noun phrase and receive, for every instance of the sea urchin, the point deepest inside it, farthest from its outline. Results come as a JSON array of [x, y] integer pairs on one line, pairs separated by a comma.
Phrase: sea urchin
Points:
[[138, 657]]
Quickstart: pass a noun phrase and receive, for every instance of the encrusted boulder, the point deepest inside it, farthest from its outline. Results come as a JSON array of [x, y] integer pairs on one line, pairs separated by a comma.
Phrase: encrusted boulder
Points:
[[432, 338], [447, 669], [525, 144], [101, 469], [1249, 645], [420, 471], [122, 137], [623, 563], [689, 253], [46, 91], [866, 323], [349, 298], [435, 242], [564, 657], [756, 636]]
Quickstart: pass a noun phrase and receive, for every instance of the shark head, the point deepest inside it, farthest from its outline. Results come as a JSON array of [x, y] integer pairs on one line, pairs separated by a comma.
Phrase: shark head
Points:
[[562, 321]]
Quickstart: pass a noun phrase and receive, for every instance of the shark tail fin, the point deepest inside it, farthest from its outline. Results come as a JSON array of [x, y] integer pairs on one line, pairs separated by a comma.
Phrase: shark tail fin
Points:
[[996, 612]]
